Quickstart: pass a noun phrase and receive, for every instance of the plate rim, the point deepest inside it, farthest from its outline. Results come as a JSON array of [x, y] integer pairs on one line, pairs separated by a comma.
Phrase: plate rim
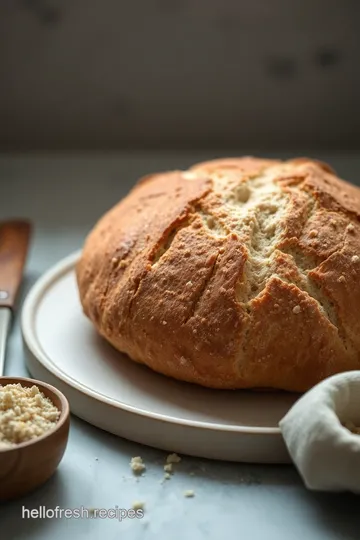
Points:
[[32, 300]]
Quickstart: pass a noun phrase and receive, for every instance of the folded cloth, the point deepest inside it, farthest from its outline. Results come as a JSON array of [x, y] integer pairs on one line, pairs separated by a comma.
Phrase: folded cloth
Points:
[[325, 452]]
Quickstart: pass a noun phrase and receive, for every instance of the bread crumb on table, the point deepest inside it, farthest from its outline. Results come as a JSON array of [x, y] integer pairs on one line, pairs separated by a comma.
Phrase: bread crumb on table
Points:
[[189, 493], [25, 413], [166, 476], [170, 460], [173, 458], [137, 465]]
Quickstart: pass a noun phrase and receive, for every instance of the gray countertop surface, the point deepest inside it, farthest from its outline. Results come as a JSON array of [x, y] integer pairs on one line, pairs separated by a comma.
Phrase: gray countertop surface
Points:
[[64, 195]]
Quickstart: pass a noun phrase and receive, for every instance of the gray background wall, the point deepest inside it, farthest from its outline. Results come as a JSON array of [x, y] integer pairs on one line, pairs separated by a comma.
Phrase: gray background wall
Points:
[[87, 74]]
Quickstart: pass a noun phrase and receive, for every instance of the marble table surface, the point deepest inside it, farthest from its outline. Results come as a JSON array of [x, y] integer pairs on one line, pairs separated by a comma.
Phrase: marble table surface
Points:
[[64, 195]]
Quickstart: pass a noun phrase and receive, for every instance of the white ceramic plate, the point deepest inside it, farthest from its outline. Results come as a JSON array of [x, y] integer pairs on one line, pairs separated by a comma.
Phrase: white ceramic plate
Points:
[[108, 390]]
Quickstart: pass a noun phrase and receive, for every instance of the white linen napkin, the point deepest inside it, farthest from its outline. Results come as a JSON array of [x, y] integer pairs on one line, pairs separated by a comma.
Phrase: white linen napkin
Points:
[[325, 452]]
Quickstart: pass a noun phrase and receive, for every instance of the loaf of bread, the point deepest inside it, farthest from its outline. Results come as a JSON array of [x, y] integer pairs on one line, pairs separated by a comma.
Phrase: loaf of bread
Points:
[[237, 273]]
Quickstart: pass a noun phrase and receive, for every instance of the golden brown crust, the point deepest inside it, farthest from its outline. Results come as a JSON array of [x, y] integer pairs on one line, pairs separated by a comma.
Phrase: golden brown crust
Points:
[[238, 273]]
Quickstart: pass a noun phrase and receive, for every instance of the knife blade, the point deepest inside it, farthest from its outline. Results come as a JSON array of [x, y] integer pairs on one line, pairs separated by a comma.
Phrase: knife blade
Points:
[[14, 243]]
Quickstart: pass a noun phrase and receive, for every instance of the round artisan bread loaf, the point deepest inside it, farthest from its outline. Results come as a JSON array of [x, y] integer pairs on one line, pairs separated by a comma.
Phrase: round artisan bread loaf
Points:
[[237, 273]]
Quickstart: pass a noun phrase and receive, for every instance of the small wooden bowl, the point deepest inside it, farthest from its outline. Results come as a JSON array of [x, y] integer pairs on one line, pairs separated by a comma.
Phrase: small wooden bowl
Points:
[[26, 466]]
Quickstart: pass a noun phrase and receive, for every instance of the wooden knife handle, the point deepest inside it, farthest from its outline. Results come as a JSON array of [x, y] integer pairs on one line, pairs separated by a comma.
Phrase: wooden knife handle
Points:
[[14, 242]]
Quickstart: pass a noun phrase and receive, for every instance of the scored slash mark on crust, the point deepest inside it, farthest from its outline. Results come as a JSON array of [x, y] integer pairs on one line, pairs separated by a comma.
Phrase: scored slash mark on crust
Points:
[[209, 221], [202, 290], [170, 237], [137, 282]]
